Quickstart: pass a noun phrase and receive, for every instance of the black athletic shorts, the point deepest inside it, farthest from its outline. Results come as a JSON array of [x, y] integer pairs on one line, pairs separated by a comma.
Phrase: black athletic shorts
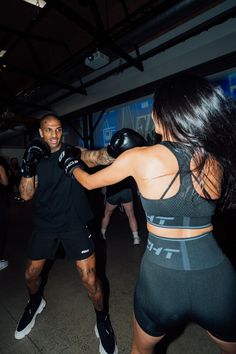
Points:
[[78, 244], [122, 197]]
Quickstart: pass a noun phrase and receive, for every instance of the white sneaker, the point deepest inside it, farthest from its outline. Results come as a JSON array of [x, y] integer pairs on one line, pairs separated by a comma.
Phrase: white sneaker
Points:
[[28, 318], [137, 240], [3, 264], [107, 341]]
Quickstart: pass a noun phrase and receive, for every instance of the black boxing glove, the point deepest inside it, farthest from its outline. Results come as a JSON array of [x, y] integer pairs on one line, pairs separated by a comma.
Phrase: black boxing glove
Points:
[[36, 150], [123, 140], [69, 159]]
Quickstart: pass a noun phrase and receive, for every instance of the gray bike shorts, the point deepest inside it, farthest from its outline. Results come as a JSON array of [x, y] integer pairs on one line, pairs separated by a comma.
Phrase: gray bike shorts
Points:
[[186, 280]]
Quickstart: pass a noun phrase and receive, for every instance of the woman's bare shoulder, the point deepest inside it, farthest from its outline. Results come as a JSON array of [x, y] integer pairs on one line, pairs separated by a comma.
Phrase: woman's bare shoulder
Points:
[[150, 160]]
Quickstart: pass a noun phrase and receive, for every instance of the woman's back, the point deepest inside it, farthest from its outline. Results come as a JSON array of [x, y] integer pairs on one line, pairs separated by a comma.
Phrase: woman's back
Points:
[[177, 196], [159, 166]]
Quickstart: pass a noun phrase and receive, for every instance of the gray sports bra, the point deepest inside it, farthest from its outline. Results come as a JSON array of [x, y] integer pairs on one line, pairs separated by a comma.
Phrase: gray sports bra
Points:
[[186, 209]]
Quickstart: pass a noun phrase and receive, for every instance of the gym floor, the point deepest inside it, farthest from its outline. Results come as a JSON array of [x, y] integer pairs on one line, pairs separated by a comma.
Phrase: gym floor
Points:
[[67, 323]]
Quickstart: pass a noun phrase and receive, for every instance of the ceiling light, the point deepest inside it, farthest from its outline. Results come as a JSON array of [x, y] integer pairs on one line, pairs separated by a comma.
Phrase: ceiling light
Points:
[[39, 3], [2, 52]]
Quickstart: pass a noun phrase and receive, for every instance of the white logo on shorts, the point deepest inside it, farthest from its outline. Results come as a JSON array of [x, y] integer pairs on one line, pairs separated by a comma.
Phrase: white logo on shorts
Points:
[[85, 251]]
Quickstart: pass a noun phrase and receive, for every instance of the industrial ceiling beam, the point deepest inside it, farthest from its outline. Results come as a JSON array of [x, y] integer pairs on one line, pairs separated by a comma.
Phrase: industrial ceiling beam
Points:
[[44, 78], [99, 35], [222, 17], [96, 14], [35, 55], [33, 23], [125, 8], [33, 105], [17, 102], [26, 34], [5, 86], [208, 68], [79, 54]]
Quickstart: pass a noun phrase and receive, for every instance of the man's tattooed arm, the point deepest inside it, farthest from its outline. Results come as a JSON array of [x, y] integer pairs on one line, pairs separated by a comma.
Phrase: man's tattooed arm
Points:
[[27, 187], [94, 158]]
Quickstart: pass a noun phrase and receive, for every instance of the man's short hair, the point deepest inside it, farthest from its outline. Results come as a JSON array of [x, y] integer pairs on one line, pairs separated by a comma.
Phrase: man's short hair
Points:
[[48, 116]]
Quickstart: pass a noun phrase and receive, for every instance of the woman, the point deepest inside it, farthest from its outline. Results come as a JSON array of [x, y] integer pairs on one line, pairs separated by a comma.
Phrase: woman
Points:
[[184, 274]]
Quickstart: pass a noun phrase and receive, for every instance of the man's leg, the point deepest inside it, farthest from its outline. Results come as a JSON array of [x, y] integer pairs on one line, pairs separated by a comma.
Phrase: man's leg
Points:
[[36, 302], [33, 275], [92, 284], [87, 271]]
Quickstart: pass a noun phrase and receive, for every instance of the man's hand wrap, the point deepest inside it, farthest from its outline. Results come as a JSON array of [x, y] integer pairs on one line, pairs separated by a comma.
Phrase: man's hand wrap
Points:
[[69, 159], [36, 150], [123, 140]]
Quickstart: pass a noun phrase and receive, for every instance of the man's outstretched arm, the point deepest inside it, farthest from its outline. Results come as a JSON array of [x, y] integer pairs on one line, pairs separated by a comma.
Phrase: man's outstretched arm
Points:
[[94, 158]]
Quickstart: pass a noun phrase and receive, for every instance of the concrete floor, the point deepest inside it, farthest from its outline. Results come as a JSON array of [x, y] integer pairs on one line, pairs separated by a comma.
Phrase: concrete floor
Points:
[[67, 323]]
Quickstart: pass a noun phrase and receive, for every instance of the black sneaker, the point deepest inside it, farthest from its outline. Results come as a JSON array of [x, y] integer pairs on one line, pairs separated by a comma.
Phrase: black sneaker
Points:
[[27, 320], [104, 332]]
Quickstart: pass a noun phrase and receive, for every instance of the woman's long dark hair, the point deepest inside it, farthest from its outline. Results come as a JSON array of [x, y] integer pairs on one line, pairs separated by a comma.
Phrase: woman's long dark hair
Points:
[[199, 115]]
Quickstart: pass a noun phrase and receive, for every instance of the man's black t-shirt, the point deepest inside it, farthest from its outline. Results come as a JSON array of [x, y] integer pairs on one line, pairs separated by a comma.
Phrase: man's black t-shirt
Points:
[[60, 203]]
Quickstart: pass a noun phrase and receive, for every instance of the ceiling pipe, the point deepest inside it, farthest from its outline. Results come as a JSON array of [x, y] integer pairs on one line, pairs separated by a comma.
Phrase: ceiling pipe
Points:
[[102, 37], [10, 133], [205, 69], [162, 47], [170, 15], [162, 22]]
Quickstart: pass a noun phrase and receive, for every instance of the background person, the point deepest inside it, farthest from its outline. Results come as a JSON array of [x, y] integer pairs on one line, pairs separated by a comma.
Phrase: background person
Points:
[[15, 177], [5, 164], [3, 214], [120, 194], [184, 275]]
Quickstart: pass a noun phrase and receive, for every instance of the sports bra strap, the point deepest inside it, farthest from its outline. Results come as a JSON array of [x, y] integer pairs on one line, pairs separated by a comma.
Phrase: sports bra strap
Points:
[[204, 190], [171, 183]]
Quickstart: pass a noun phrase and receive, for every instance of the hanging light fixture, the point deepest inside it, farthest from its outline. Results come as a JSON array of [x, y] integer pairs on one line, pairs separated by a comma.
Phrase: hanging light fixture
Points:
[[39, 3]]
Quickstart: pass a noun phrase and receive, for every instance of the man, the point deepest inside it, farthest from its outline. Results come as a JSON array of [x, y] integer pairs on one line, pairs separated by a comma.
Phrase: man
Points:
[[60, 213], [3, 213]]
